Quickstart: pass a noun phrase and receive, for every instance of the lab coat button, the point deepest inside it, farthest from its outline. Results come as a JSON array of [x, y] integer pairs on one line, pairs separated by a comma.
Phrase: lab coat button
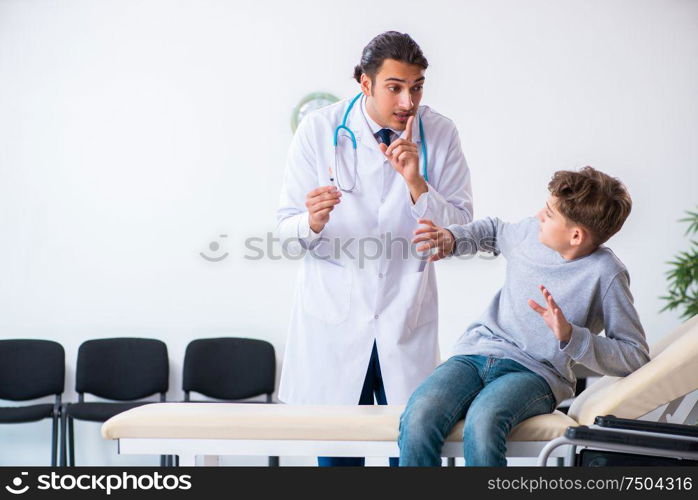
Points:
[[375, 317], [380, 275]]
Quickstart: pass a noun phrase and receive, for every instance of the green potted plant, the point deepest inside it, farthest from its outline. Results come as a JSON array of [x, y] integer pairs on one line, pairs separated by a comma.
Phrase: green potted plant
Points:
[[683, 275]]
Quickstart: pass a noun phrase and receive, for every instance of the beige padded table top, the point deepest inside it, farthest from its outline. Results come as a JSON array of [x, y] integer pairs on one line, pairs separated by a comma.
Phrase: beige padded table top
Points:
[[211, 430], [291, 422]]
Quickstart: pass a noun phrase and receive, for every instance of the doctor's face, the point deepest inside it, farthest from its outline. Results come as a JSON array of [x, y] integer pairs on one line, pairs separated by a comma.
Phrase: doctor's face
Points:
[[395, 94]]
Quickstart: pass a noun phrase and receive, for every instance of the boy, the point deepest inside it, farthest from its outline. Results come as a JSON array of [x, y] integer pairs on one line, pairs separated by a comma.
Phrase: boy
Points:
[[516, 361]]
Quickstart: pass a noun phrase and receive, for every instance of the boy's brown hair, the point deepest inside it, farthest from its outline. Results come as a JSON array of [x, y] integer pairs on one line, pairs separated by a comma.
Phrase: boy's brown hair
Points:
[[592, 199]]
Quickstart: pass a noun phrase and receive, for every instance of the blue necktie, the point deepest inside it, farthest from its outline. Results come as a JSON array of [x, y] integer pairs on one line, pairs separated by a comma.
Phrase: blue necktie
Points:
[[384, 135]]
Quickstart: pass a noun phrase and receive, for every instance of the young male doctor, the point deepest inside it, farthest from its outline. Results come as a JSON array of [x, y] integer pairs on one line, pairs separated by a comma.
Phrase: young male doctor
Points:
[[358, 176]]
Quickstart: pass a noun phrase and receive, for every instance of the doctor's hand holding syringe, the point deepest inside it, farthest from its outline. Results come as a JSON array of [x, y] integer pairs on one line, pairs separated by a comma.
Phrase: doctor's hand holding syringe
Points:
[[320, 202]]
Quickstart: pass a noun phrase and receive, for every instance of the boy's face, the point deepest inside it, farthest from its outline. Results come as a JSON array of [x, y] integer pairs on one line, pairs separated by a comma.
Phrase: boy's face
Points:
[[556, 231], [395, 94]]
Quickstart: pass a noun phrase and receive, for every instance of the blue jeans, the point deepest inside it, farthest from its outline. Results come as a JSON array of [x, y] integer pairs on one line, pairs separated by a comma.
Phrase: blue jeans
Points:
[[493, 394], [373, 386]]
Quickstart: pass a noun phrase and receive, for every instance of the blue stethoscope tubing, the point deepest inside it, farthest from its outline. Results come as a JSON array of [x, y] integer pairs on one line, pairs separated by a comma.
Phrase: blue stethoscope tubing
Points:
[[343, 126]]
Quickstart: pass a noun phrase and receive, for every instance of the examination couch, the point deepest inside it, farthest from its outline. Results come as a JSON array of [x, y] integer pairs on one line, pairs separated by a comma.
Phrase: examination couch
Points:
[[664, 390]]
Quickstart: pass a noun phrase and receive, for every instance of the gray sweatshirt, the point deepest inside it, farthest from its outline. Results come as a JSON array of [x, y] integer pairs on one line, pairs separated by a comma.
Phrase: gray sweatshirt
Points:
[[592, 292]]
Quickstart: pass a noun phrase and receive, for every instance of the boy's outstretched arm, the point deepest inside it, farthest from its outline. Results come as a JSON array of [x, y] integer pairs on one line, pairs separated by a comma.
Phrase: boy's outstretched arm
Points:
[[623, 349], [430, 236], [485, 235]]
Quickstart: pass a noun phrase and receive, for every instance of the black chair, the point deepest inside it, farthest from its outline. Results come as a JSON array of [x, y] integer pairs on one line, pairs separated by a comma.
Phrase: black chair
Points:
[[120, 369], [230, 369], [31, 369]]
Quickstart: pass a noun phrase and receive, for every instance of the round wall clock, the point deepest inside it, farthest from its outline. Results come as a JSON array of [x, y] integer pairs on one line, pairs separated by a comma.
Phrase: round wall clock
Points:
[[309, 103]]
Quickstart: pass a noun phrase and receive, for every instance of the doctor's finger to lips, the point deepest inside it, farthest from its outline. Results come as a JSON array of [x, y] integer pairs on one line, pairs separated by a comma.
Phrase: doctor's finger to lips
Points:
[[408, 127], [401, 141]]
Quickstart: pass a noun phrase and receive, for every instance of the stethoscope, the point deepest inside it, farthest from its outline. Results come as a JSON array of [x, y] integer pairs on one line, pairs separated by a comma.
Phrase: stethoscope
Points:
[[351, 136]]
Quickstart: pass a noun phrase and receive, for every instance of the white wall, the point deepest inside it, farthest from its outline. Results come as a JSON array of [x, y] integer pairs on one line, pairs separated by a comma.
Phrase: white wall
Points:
[[134, 133]]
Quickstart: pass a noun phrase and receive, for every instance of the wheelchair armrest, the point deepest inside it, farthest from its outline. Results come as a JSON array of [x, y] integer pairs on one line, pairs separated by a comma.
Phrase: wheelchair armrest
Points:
[[601, 436], [612, 422]]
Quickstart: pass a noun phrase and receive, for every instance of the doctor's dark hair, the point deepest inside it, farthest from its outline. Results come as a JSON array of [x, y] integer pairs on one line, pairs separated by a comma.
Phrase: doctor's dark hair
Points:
[[388, 45], [593, 199]]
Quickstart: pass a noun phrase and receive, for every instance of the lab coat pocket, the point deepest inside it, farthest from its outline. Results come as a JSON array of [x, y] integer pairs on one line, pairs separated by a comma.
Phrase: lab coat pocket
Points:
[[326, 291], [422, 309]]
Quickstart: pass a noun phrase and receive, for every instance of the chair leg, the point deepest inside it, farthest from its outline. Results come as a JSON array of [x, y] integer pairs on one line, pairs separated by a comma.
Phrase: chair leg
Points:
[[64, 444], [54, 439], [71, 441], [273, 461], [163, 460], [451, 462]]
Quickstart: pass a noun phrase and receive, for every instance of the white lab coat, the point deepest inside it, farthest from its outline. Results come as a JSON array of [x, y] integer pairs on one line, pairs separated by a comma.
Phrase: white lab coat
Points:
[[342, 304]]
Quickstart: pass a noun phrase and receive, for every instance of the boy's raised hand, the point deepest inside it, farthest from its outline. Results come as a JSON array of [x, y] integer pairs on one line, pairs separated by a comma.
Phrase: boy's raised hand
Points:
[[434, 236], [552, 316]]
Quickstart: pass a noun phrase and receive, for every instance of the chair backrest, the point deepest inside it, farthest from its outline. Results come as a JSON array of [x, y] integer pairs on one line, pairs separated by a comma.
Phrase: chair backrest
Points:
[[122, 369], [229, 368], [671, 373], [31, 368]]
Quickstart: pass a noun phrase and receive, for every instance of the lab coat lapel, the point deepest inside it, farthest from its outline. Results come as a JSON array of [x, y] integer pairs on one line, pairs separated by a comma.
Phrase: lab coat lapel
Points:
[[362, 131]]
